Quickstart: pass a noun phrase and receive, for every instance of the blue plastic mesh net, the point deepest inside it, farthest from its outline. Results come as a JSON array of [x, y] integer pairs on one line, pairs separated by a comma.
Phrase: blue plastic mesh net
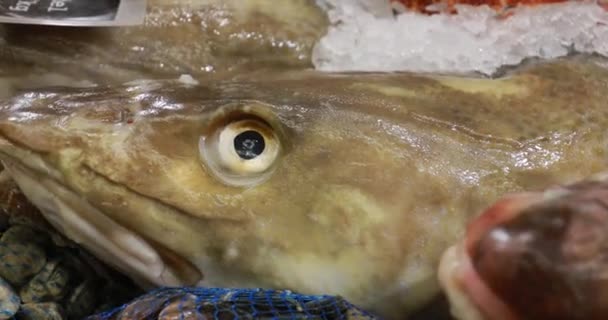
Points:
[[232, 304]]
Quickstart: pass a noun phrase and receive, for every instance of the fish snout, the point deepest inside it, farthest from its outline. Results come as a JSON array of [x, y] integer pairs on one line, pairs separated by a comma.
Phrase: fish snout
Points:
[[540, 255]]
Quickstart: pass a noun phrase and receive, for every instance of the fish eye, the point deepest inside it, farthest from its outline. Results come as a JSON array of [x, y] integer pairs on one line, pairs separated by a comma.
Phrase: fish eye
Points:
[[241, 152], [249, 144]]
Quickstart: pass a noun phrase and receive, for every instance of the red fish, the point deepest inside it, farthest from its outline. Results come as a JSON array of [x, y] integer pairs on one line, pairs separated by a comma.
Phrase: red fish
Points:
[[535, 255]]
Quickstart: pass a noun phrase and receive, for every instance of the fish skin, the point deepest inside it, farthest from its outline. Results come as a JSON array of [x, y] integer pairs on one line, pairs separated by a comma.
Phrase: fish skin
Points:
[[378, 173], [199, 37]]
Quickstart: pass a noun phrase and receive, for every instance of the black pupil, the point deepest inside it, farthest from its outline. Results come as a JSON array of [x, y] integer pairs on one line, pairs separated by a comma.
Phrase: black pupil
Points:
[[249, 144]]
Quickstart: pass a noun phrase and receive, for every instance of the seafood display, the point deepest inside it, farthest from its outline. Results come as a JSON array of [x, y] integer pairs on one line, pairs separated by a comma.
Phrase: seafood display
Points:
[[202, 152], [43, 275], [358, 181]]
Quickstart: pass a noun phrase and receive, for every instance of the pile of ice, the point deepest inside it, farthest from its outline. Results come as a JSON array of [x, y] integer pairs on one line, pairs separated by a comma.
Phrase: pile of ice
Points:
[[366, 36]]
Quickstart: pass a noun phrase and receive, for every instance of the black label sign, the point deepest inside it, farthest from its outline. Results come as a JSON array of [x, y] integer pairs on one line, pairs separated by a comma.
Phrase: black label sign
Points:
[[72, 12], [60, 9]]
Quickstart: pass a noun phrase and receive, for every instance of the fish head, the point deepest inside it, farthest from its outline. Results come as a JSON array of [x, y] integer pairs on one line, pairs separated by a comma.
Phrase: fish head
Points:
[[178, 184], [333, 184]]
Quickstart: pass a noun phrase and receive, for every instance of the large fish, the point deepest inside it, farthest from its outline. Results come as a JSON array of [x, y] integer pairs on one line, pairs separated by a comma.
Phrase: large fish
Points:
[[350, 184]]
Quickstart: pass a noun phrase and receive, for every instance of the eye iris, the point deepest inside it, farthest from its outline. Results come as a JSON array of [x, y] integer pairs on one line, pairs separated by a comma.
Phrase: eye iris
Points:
[[249, 144]]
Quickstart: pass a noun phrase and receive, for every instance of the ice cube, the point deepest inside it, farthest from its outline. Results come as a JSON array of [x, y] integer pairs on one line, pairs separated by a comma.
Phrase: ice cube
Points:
[[362, 38]]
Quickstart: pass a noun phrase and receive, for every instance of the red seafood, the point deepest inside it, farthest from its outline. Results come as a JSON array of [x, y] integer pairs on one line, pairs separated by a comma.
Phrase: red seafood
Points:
[[503, 7], [534, 255]]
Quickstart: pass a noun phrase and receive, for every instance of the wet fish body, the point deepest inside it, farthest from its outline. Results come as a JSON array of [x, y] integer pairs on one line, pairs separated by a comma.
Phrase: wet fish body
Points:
[[347, 184], [208, 38]]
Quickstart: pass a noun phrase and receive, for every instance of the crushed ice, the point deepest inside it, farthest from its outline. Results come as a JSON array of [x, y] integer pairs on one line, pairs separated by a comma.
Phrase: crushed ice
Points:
[[366, 36], [187, 79]]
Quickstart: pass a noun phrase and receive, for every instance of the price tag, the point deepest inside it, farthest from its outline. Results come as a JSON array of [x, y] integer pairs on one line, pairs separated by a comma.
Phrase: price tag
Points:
[[83, 13]]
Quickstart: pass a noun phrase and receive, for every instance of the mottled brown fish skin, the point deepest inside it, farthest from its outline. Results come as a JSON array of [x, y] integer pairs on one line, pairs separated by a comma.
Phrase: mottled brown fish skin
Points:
[[216, 38], [377, 174]]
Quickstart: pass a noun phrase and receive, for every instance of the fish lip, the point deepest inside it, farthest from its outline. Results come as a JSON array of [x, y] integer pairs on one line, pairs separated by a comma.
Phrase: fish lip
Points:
[[123, 249], [470, 297], [561, 248], [467, 290]]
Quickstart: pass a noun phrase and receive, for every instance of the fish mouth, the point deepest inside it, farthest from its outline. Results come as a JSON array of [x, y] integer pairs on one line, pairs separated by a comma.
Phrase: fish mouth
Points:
[[534, 255], [470, 296], [146, 262]]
